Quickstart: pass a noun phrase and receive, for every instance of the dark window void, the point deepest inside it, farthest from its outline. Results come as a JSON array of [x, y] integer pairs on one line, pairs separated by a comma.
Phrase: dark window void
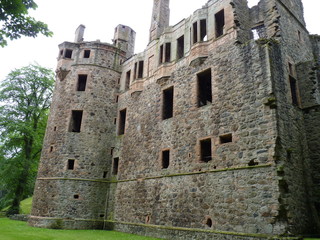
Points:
[[82, 82], [122, 121], [161, 54], [61, 53], [165, 158], [204, 88], [209, 222], [293, 88], [205, 150], [203, 30], [219, 17], [75, 123], [225, 138], [195, 32], [135, 71], [167, 107], [76, 196], [68, 53], [86, 54], [128, 75], [70, 164], [140, 72], [51, 149], [180, 47], [115, 166], [167, 57], [105, 174]]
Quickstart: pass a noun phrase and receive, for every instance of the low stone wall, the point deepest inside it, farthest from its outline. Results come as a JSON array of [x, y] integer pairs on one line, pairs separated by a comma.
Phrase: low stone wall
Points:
[[20, 217]]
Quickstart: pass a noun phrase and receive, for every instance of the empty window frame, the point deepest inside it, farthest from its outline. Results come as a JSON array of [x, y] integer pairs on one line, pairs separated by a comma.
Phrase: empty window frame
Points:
[[195, 32], [167, 103], [127, 84], [167, 56], [227, 138], [68, 53], [75, 122], [122, 121], [140, 71], [219, 18], [82, 82], [205, 150], [203, 30], [161, 54], [135, 71], [115, 166], [204, 88], [71, 164], [165, 158], [294, 91], [180, 47], [86, 54]]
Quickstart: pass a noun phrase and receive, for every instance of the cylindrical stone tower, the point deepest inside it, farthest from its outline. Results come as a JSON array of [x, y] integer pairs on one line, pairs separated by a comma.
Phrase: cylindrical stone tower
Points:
[[71, 188]]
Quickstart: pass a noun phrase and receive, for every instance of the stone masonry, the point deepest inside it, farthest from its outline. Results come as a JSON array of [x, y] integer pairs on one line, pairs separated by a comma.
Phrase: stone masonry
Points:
[[211, 133]]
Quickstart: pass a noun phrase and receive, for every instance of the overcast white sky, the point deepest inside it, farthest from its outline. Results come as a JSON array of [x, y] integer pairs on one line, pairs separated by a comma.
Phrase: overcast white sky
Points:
[[100, 18]]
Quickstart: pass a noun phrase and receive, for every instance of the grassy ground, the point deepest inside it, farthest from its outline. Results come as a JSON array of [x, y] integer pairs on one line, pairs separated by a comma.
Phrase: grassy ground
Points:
[[16, 230]]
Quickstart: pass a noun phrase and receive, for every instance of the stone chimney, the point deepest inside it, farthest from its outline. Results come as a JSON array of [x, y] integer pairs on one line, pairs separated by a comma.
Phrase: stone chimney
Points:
[[79, 33], [160, 18]]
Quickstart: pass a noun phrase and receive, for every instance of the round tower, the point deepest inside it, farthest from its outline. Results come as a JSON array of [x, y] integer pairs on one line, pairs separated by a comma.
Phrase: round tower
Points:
[[72, 187]]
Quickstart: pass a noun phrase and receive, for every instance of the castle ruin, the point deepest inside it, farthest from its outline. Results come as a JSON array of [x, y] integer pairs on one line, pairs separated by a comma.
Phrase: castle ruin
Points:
[[211, 133]]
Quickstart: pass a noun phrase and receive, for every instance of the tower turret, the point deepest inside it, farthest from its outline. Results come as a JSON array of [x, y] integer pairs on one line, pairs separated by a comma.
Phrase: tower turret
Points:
[[71, 188], [160, 18]]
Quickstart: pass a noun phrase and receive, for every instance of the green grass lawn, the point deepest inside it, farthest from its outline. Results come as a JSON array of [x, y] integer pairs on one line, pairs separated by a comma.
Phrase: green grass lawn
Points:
[[25, 206], [17, 230]]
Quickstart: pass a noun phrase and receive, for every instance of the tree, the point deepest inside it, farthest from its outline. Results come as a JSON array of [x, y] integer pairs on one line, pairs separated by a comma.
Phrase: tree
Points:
[[25, 97], [15, 22]]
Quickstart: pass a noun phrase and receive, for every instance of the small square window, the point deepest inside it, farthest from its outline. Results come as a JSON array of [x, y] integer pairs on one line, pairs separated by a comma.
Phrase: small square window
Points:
[[86, 54], [68, 53], [205, 150], [71, 164], [225, 138]]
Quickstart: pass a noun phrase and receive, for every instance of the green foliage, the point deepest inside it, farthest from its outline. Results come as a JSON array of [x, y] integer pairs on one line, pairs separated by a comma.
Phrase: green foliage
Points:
[[15, 22], [25, 206], [13, 230], [25, 97]]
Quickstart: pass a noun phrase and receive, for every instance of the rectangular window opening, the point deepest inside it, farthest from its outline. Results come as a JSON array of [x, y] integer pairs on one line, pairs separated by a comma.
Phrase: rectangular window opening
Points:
[[203, 30], [135, 71], [115, 166], [294, 90], [204, 88], [68, 53], [290, 69], [225, 138], [165, 158], [82, 82], [128, 75], [122, 121], [167, 107], [161, 54], [86, 54], [168, 52], [180, 47], [105, 174], [140, 72], [71, 164], [219, 17], [195, 32], [205, 150], [75, 123]]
